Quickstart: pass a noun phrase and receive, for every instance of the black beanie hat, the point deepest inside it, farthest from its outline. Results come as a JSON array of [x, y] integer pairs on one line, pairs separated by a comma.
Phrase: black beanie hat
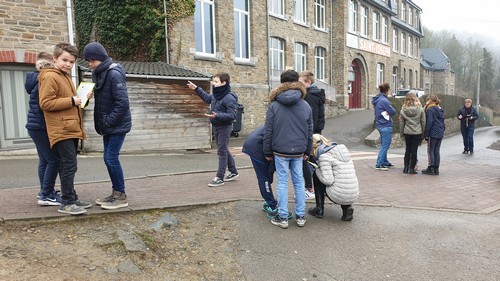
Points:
[[95, 51]]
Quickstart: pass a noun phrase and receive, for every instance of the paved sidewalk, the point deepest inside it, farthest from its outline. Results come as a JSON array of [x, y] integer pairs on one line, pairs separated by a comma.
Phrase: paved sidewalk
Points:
[[476, 191]]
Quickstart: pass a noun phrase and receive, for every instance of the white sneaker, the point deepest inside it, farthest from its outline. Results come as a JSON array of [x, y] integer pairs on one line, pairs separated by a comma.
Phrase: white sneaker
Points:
[[309, 195]]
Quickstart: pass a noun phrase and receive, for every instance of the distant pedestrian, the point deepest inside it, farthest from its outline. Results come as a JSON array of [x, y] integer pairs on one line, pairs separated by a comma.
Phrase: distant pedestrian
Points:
[[434, 133], [112, 118], [467, 116], [316, 99], [223, 107], [48, 159], [288, 137], [63, 116], [334, 177], [383, 121], [411, 127]]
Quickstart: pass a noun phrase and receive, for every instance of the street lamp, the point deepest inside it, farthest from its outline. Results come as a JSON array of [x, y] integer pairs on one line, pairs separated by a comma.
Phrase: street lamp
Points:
[[478, 83]]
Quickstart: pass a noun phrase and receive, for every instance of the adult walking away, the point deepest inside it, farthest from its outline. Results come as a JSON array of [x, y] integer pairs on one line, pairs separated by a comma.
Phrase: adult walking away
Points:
[[316, 99], [288, 137], [112, 118], [334, 177], [434, 133], [383, 119], [63, 117], [48, 159], [467, 116], [223, 107], [411, 126]]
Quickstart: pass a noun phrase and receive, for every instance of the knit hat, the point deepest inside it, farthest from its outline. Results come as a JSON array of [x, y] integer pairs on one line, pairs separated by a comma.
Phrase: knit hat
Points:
[[95, 51]]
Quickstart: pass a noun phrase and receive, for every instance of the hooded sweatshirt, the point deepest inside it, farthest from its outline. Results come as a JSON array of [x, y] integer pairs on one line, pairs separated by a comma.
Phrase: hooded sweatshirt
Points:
[[412, 121], [381, 104], [336, 171]]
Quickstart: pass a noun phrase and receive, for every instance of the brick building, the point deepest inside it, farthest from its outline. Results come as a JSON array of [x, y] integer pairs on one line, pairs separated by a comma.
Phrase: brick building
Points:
[[438, 76]]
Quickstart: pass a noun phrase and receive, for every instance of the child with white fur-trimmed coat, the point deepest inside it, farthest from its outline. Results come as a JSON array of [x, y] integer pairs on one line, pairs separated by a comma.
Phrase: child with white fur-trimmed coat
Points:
[[335, 177]]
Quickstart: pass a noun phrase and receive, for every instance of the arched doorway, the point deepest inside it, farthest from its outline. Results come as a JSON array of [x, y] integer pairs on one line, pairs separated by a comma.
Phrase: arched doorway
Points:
[[355, 85]]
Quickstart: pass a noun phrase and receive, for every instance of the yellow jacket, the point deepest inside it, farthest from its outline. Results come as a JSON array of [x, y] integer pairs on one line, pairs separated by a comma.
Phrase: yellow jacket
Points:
[[64, 120]]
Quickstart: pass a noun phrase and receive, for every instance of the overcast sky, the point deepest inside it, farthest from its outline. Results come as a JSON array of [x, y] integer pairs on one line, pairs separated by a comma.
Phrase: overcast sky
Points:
[[479, 16]]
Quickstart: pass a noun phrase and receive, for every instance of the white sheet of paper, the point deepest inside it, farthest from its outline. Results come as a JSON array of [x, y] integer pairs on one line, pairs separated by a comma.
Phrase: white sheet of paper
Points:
[[83, 90]]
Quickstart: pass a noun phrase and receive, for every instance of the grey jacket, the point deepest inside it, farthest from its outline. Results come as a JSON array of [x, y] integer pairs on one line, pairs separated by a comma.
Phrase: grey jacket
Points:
[[412, 121]]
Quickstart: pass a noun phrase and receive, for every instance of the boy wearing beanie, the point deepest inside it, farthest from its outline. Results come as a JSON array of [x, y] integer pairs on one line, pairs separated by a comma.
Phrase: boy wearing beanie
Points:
[[112, 118]]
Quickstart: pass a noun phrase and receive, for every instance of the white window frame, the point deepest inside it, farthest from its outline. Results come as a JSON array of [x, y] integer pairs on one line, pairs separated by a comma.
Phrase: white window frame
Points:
[[363, 18], [319, 14], [300, 55], [204, 4], [300, 11], [380, 73], [319, 63], [403, 43], [395, 71], [403, 11], [410, 45], [385, 29], [242, 37], [353, 16], [277, 8], [415, 49], [395, 40], [276, 57], [410, 16], [376, 26]]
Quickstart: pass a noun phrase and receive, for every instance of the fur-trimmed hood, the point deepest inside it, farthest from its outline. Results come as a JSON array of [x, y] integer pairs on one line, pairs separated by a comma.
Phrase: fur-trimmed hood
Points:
[[288, 92], [44, 64]]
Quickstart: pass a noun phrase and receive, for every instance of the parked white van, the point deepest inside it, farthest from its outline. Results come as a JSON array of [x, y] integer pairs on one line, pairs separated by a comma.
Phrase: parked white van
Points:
[[401, 93]]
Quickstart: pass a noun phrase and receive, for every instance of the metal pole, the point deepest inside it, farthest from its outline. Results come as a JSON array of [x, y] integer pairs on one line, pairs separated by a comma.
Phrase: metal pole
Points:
[[478, 84]]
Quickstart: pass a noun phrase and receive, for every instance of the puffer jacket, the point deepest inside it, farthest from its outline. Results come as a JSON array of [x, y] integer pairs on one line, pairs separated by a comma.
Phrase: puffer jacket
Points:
[[289, 124], [336, 171], [316, 99], [224, 106], [412, 121], [111, 110], [63, 119], [434, 127], [35, 120]]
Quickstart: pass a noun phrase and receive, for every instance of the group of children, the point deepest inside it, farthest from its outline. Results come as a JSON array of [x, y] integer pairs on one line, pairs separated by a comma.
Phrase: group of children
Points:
[[55, 123]]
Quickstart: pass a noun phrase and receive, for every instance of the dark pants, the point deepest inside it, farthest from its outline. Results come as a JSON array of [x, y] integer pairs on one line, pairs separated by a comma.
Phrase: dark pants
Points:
[[433, 151], [226, 160], [48, 161], [468, 137], [306, 170], [320, 193], [112, 145], [67, 151], [412, 142], [264, 172]]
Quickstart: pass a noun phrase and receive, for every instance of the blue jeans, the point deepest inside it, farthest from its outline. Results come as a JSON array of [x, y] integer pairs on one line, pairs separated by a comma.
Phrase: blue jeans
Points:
[[67, 151], [226, 160], [468, 137], [294, 165], [112, 145], [385, 143], [434, 151], [48, 161]]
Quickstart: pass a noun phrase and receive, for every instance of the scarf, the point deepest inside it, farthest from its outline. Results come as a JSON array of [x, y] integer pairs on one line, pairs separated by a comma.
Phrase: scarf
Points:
[[221, 91], [100, 72]]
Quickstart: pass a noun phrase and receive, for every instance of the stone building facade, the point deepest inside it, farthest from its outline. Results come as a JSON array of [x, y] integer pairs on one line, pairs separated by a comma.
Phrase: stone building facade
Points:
[[26, 28], [439, 78]]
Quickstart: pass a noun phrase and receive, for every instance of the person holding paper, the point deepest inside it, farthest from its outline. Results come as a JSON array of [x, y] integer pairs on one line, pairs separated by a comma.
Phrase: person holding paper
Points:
[[383, 113], [112, 118], [64, 121]]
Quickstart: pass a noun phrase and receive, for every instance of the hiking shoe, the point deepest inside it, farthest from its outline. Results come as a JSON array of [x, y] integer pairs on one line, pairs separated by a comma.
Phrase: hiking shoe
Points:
[[71, 209], [347, 215], [281, 222], [381, 168], [231, 177], [216, 182], [83, 204], [105, 199], [301, 221], [119, 200], [265, 206], [309, 195], [51, 200]]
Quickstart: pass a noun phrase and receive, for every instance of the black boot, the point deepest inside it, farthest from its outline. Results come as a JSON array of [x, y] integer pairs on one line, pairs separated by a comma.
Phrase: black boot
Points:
[[429, 171], [405, 170], [406, 163], [436, 170], [347, 212], [317, 211], [412, 171]]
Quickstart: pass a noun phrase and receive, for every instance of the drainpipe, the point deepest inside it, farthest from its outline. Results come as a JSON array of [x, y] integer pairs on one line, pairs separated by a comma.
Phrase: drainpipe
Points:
[[331, 46], [69, 12], [268, 52], [166, 31]]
